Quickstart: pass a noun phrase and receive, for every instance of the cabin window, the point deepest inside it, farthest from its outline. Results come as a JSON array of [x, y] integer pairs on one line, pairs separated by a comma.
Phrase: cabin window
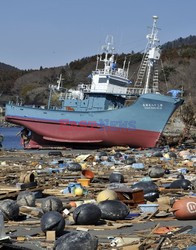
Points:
[[116, 82], [102, 80]]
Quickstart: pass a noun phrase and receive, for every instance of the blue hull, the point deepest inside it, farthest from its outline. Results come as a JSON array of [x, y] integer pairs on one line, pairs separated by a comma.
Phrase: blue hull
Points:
[[149, 114]]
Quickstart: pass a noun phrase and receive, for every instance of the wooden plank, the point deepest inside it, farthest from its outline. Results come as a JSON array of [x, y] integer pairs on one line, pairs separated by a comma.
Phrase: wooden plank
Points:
[[22, 186], [104, 227], [50, 235]]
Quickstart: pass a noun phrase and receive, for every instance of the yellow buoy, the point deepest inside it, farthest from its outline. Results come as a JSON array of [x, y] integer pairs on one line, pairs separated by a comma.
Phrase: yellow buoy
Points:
[[107, 195], [78, 191]]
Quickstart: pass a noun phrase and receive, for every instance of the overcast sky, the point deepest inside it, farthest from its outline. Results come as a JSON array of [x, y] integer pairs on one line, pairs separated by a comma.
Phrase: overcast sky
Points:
[[51, 33]]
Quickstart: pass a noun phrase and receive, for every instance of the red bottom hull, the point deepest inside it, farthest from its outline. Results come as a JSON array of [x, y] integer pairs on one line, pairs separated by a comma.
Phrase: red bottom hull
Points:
[[52, 135]]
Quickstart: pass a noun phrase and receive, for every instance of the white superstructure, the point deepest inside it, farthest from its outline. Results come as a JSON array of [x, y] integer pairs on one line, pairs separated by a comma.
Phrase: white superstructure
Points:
[[110, 79]]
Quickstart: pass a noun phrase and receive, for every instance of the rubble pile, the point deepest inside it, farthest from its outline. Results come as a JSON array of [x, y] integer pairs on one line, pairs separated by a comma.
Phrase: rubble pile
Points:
[[113, 198]]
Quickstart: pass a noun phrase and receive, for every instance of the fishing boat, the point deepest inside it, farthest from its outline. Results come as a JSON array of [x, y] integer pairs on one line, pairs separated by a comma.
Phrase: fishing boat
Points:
[[111, 111]]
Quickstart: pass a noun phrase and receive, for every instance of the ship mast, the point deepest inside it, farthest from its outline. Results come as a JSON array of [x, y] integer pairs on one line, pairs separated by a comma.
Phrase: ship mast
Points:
[[54, 88], [108, 49], [149, 61]]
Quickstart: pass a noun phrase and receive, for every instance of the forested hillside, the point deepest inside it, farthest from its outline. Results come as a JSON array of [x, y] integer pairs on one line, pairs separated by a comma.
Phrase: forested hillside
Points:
[[180, 42]]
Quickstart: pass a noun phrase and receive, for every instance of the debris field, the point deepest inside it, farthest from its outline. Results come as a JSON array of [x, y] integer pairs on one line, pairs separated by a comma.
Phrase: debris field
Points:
[[109, 198]]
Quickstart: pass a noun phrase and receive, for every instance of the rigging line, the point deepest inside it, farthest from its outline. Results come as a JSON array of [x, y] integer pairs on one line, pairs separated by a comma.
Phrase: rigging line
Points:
[[164, 75], [131, 77]]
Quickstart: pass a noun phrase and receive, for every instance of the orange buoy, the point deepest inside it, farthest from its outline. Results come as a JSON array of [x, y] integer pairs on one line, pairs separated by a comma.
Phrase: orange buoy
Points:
[[72, 203], [185, 209]]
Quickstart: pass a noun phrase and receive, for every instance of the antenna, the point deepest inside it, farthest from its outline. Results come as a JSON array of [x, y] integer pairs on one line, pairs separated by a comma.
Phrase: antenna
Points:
[[124, 63], [128, 69], [108, 48], [153, 40], [60, 79], [109, 42], [97, 63]]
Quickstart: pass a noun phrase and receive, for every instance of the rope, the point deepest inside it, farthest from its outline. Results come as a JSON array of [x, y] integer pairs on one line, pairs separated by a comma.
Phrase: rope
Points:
[[164, 75]]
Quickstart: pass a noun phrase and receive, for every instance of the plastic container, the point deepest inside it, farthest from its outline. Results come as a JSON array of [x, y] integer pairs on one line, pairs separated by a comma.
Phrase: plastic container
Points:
[[27, 177], [88, 174], [84, 182], [138, 166], [148, 208], [183, 170]]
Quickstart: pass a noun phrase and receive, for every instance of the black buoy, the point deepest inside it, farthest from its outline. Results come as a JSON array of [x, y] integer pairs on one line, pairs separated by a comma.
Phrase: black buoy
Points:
[[167, 171], [180, 176], [116, 177], [52, 221], [182, 183], [76, 241], [157, 154], [26, 198], [52, 203], [74, 166], [130, 160], [87, 214], [146, 186], [151, 196], [113, 210], [117, 155], [156, 172], [9, 209], [101, 153], [172, 155]]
